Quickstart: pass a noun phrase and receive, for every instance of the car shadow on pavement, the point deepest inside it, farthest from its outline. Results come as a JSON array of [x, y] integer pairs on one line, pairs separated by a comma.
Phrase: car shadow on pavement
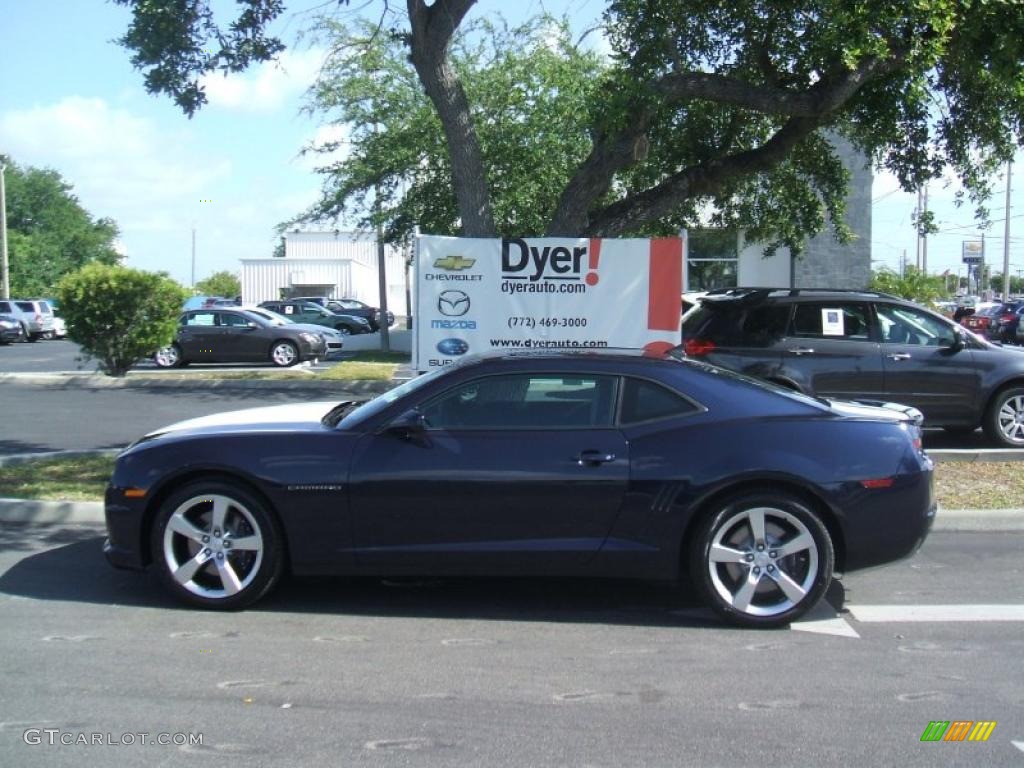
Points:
[[71, 567]]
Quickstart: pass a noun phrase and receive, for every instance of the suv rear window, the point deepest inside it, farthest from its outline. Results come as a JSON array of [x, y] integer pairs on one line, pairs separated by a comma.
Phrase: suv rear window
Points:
[[736, 326]]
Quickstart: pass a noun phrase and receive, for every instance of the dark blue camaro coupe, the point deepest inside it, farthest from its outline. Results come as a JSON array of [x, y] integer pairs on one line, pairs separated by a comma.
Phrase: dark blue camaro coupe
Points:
[[610, 464]]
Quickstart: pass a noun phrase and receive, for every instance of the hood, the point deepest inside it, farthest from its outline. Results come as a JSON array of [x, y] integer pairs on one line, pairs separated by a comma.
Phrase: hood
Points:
[[876, 411], [292, 417]]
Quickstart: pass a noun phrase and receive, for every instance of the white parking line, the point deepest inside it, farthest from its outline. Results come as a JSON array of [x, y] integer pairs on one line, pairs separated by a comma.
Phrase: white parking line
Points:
[[1019, 745], [909, 613], [822, 619]]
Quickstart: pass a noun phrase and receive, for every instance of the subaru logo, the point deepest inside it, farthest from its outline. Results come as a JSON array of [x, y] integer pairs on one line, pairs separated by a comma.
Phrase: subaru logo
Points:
[[453, 303], [452, 347]]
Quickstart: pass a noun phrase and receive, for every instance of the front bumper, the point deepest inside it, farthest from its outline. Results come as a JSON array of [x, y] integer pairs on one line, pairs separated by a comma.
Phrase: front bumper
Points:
[[123, 547]]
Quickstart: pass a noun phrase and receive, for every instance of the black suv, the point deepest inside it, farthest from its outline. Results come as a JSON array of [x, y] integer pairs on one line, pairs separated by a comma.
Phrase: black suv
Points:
[[861, 345]]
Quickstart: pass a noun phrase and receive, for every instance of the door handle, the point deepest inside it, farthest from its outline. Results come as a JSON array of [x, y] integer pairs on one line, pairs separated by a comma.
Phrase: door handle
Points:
[[801, 351], [593, 458], [898, 356]]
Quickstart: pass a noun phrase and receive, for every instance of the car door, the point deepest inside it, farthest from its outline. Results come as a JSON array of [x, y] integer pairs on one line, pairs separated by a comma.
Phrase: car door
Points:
[[832, 350], [925, 367], [523, 470], [237, 340], [196, 335]]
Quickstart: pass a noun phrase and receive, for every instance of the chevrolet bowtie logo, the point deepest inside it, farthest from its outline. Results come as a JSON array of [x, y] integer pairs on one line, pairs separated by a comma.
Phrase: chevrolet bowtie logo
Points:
[[454, 263]]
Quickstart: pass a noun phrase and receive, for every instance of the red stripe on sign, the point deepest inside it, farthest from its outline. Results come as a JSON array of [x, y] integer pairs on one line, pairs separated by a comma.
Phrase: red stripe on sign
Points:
[[666, 284]]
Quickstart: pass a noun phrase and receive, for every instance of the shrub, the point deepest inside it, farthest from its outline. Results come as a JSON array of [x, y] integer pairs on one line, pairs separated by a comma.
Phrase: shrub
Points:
[[118, 315]]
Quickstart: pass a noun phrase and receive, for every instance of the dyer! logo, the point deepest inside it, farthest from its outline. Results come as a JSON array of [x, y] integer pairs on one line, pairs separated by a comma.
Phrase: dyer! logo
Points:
[[958, 730], [522, 261], [453, 303]]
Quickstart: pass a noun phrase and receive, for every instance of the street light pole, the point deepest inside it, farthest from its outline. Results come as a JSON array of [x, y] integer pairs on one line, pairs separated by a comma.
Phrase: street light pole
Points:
[[3, 234], [192, 285], [1006, 236], [382, 280]]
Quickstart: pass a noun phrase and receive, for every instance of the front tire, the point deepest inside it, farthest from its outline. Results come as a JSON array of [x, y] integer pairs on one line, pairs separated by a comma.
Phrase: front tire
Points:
[[344, 330], [1004, 419], [169, 357], [762, 560], [215, 545], [284, 354]]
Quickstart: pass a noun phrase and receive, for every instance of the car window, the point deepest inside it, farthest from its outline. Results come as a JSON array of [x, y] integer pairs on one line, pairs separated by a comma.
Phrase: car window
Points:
[[525, 401], [5, 306], [902, 325], [25, 306], [231, 321], [200, 319], [45, 308], [833, 320], [647, 401]]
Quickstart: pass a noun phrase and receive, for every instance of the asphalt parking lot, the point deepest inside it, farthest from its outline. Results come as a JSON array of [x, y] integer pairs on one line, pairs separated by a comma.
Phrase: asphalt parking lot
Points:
[[499, 672]]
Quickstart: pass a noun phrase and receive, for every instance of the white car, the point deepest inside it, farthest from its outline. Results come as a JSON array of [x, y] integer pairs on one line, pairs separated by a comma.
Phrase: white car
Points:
[[60, 329]]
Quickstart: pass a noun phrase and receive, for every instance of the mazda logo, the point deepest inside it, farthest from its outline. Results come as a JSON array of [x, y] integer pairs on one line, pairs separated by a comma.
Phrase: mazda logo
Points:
[[453, 303]]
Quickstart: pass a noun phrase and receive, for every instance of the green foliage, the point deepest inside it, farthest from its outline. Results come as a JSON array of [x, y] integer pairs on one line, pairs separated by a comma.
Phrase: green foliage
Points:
[[49, 233], [223, 283], [118, 315], [914, 285], [529, 90], [1016, 284]]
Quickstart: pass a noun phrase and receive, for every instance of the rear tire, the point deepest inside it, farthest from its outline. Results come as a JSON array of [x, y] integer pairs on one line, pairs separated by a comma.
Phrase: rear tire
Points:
[[1004, 419], [763, 559]]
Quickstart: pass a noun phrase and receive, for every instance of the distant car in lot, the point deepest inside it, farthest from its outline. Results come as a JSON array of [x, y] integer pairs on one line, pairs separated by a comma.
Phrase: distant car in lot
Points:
[[351, 307], [997, 322], [35, 316], [10, 329], [205, 302], [310, 312], [222, 335], [864, 345], [334, 339], [602, 465]]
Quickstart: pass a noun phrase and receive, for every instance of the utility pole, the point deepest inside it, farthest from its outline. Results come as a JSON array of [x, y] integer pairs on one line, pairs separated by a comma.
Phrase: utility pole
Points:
[[193, 283], [382, 280], [1006, 236], [917, 227], [3, 233], [903, 264], [924, 235]]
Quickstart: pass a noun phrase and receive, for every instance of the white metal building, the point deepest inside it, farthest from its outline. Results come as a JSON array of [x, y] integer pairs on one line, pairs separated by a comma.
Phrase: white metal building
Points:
[[338, 264]]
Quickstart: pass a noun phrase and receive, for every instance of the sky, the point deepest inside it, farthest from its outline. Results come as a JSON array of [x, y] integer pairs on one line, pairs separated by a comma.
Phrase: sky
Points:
[[71, 101]]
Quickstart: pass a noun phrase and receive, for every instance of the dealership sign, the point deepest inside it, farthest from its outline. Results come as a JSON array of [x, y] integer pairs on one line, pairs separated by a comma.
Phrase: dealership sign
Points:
[[973, 252], [478, 295]]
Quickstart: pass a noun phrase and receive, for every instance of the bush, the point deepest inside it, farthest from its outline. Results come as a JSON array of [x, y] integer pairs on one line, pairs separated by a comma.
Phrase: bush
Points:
[[118, 315]]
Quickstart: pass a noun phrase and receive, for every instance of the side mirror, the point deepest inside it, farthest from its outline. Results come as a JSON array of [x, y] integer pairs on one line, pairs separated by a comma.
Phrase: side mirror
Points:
[[957, 343], [409, 425], [251, 326]]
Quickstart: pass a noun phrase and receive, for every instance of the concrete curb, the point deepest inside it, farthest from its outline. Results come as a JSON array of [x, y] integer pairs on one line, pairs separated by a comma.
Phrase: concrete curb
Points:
[[92, 381], [91, 512], [976, 454], [20, 458]]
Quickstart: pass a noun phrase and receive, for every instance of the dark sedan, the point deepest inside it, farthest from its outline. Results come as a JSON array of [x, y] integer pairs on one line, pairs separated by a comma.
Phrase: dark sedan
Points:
[[10, 329], [222, 335], [606, 465]]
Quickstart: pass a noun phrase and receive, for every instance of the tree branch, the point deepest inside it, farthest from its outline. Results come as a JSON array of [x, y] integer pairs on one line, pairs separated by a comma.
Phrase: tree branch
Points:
[[611, 154]]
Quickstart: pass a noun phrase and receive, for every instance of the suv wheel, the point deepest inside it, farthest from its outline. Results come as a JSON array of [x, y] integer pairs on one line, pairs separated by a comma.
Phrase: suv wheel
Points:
[[1004, 420]]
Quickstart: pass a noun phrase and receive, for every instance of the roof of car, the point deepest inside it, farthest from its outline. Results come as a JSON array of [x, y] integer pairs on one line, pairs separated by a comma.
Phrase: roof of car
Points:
[[723, 296]]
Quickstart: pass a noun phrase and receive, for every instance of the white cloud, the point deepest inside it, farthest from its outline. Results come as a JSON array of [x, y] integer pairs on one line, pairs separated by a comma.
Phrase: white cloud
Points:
[[265, 88]]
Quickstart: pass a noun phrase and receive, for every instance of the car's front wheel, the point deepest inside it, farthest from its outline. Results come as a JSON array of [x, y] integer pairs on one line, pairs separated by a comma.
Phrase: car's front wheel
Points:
[[344, 330], [1004, 420], [284, 353], [216, 545], [762, 559]]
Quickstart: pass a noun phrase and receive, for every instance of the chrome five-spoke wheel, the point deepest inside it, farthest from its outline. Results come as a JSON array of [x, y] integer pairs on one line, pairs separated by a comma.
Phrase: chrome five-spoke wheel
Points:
[[763, 560], [216, 546]]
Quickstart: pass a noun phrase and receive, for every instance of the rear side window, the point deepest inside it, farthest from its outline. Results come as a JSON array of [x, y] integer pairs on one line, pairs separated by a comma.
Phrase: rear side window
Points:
[[832, 321], [647, 401], [45, 308], [736, 326], [25, 306]]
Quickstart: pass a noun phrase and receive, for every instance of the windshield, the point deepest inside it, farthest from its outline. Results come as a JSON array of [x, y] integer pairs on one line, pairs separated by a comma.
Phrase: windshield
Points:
[[372, 407], [271, 317]]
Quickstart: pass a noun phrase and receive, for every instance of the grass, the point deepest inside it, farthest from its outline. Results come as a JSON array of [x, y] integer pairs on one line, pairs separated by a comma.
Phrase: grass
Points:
[[79, 478], [361, 366], [959, 485]]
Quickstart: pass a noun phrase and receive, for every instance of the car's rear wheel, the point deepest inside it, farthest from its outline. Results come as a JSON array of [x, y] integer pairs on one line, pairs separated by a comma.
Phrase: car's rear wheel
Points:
[[168, 357], [762, 559], [216, 545], [284, 353], [1004, 420]]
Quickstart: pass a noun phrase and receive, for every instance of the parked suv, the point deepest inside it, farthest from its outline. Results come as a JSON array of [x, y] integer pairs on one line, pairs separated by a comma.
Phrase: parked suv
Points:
[[351, 307], [36, 317], [300, 311], [862, 345]]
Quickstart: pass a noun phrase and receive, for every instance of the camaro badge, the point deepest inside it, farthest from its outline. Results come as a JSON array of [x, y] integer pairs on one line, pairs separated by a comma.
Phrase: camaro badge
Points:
[[316, 487]]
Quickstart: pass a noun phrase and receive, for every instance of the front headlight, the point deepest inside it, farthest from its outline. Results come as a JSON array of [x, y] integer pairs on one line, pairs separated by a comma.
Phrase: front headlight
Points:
[[363, 321], [310, 338]]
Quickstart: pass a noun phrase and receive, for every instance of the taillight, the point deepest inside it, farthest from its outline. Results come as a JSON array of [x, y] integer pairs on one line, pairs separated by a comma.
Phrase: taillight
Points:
[[1007, 317], [698, 347], [39, 318]]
